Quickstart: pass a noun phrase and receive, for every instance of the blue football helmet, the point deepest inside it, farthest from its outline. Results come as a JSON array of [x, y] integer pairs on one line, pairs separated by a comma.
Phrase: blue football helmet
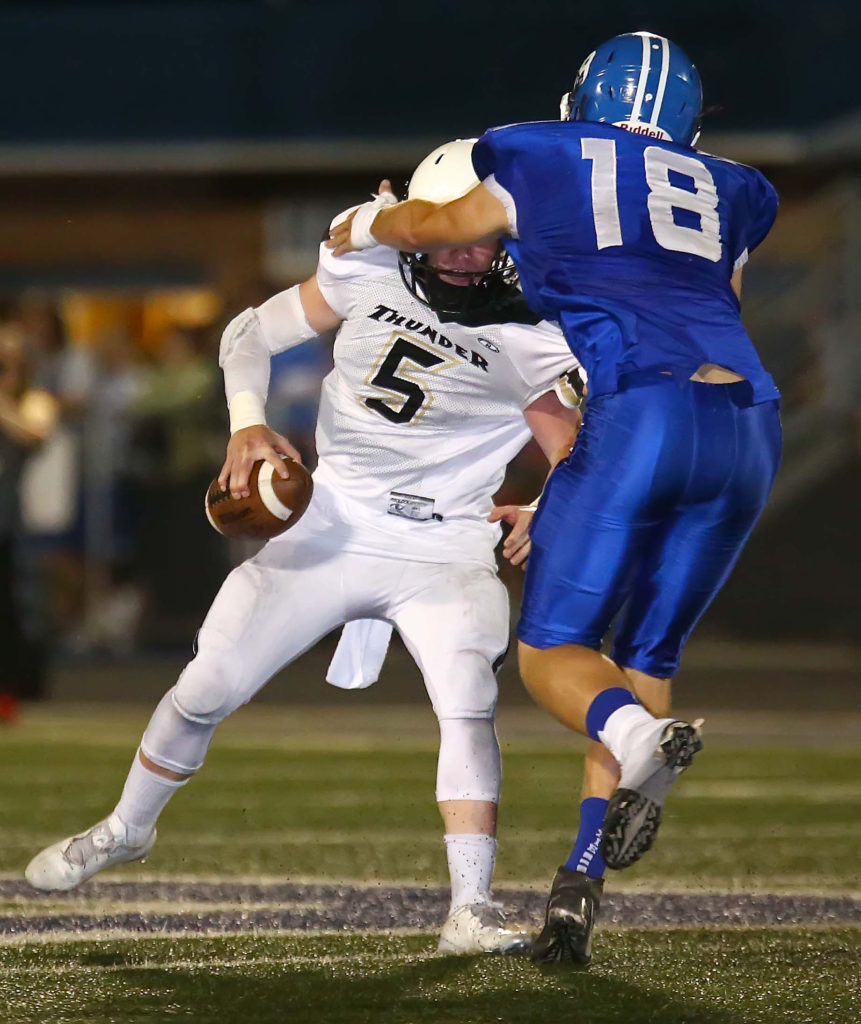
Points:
[[641, 82]]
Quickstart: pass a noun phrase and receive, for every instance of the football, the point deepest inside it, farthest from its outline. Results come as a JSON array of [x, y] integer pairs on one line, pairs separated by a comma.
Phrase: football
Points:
[[273, 506]]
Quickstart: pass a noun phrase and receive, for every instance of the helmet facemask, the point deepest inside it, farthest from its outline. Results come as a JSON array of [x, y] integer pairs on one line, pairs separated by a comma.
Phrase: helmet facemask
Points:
[[465, 294], [470, 294]]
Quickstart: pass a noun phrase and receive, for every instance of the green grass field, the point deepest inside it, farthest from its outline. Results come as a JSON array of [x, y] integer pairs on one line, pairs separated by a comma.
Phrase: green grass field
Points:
[[336, 796], [700, 977]]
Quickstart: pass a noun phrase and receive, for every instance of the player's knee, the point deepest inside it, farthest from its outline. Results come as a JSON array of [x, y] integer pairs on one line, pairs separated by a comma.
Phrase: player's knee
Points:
[[467, 689], [173, 742], [469, 766], [206, 692]]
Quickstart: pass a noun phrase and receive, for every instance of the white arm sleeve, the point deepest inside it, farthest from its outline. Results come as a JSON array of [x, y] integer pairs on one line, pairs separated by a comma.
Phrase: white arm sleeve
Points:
[[248, 343]]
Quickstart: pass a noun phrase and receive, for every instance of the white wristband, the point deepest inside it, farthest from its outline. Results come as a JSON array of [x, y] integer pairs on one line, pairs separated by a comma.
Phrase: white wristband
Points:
[[246, 410], [360, 229]]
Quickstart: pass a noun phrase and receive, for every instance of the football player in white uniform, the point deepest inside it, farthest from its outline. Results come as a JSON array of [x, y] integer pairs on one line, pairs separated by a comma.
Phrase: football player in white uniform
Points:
[[435, 387]]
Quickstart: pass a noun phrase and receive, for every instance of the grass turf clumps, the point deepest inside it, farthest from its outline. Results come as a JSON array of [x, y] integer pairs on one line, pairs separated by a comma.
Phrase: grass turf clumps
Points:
[[762, 976]]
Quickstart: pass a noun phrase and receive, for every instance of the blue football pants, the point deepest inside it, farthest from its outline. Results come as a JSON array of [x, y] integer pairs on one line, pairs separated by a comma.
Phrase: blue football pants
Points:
[[646, 518]]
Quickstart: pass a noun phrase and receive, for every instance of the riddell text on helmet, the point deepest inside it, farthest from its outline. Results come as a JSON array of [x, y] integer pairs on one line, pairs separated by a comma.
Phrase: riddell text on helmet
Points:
[[638, 128]]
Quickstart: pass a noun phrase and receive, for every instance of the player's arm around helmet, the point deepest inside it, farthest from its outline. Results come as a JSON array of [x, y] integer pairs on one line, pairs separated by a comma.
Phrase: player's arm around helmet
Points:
[[417, 225]]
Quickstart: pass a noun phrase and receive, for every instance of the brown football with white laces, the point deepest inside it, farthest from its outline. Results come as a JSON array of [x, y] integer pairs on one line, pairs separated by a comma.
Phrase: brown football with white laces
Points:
[[272, 506]]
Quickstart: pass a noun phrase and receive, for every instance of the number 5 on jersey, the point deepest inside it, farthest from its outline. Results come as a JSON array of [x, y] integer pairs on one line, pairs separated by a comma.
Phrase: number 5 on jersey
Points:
[[663, 198], [410, 399]]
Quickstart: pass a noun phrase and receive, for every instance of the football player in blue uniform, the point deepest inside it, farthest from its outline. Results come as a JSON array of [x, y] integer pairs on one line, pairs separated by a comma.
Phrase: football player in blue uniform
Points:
[[634, 242]]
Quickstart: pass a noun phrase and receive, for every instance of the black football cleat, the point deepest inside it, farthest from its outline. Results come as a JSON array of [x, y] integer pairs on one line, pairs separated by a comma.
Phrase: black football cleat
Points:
[[634, 811], [572, 910]]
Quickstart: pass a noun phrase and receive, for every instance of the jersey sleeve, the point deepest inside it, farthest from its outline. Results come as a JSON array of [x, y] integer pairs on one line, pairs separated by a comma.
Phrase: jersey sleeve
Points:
[[542, 362], [340, 278], [492, 162], [762, 203]]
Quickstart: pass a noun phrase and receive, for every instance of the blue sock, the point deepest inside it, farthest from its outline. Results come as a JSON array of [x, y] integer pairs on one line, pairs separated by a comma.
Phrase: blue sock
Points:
[[586, 855], [604, 705]]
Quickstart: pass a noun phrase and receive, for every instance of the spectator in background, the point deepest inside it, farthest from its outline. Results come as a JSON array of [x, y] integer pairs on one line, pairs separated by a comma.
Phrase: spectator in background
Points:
[[27, 418], [52, 482], [110, 507], [180, 439]]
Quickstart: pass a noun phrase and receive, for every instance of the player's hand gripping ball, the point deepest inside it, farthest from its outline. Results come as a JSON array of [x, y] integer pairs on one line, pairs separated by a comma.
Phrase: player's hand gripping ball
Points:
[[273, 505]]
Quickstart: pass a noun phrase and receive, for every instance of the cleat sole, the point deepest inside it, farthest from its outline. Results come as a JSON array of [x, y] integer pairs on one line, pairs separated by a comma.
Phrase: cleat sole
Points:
[[633, 817], [681, 744], [630, 827]]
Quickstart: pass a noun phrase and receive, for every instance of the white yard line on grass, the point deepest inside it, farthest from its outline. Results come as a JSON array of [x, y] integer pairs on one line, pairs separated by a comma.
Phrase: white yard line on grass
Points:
[[108, 935], [124, 934], [406, 727], [22, 839], [789, 885], [288, 960]]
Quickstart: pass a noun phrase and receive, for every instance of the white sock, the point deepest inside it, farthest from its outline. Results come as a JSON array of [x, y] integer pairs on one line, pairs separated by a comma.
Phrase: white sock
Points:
[[470, 866], [144, 797], [628, 728]]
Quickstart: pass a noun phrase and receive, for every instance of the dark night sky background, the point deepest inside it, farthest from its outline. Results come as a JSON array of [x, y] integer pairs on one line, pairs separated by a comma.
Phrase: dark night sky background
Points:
[[111, 71]]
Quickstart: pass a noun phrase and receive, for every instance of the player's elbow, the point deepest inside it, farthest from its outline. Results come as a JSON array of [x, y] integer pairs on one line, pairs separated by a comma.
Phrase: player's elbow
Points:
[[238, 328]]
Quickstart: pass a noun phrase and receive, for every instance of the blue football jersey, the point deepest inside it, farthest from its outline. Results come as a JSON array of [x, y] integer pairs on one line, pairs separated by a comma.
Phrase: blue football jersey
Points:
[[630, 243]]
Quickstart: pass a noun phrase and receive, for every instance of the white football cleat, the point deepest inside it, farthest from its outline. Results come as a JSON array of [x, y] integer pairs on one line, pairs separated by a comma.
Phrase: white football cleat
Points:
[[480, 928], [72, 861]]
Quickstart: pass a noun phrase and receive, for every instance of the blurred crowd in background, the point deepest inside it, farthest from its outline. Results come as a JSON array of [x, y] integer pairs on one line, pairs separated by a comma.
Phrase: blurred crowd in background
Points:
[[106, 450]]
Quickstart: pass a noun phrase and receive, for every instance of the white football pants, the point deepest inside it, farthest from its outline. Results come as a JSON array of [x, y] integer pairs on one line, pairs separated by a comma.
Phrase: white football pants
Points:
[[453, 619]]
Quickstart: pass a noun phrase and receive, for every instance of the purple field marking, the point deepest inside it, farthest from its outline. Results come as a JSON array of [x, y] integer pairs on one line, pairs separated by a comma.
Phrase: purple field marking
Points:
[[326, 907]]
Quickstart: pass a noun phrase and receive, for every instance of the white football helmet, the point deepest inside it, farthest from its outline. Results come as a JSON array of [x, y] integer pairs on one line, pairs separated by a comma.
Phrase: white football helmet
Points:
[[446, 174], [468, 298]]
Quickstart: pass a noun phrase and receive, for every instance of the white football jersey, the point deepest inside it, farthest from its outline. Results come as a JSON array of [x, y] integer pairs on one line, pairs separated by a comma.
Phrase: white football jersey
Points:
[[419, 419]]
